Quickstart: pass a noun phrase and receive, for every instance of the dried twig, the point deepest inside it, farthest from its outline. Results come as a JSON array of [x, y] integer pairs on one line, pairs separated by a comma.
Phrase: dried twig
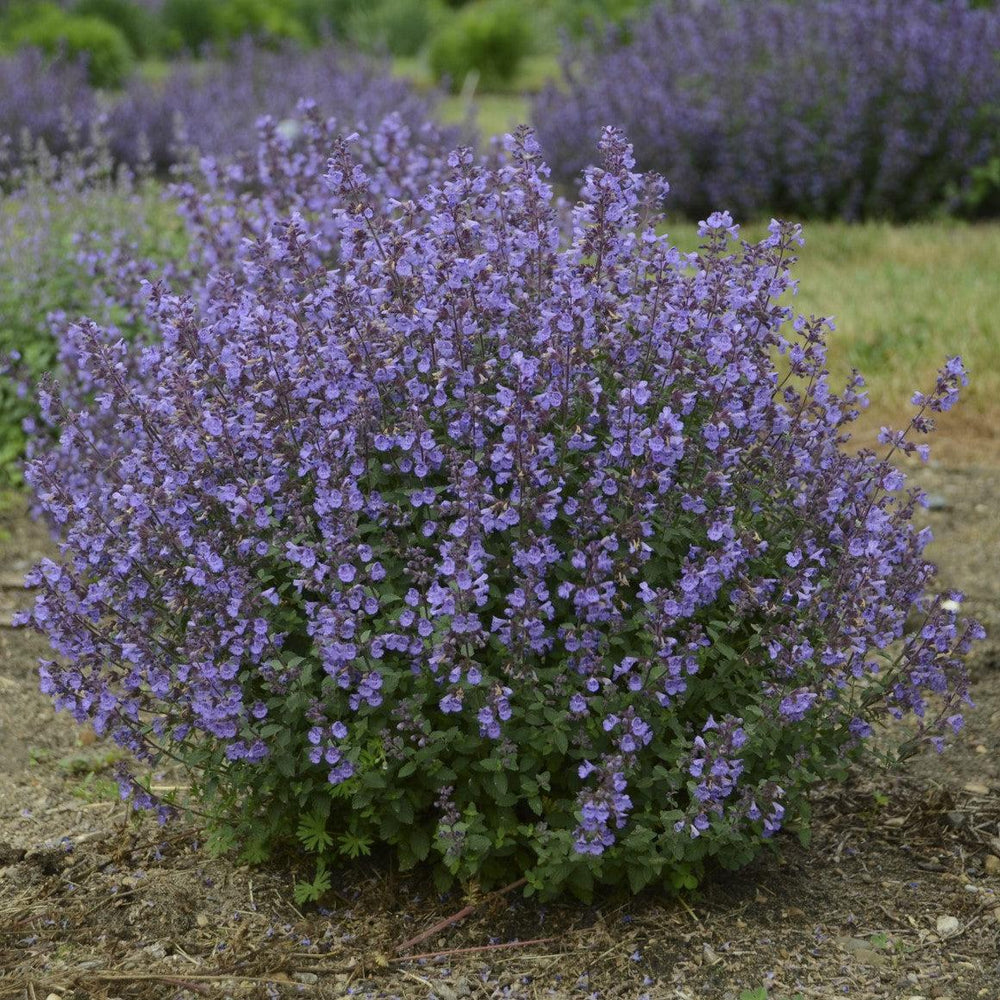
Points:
[[455, 917], [478, 947], [186, 982]]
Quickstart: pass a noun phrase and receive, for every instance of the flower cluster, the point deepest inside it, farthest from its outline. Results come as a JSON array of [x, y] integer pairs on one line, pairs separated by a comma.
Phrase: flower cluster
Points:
[[879, 108], [477, 531]]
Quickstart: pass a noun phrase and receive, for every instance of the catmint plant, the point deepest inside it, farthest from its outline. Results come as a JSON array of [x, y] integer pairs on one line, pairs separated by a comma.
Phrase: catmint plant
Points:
[[519, 555], [851, 109]]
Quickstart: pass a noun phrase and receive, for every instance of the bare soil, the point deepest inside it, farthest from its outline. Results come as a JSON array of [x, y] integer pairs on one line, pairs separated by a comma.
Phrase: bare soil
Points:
[[898, 895]]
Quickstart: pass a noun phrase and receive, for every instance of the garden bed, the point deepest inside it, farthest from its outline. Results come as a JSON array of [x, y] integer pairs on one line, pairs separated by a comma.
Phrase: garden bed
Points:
[[898, 894]]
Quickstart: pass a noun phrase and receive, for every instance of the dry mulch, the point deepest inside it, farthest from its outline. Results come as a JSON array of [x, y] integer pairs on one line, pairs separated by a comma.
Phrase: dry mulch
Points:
[[897, 896]]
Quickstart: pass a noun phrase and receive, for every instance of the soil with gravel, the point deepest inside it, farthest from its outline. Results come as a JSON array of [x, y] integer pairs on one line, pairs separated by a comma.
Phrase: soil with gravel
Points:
[[897, 896]]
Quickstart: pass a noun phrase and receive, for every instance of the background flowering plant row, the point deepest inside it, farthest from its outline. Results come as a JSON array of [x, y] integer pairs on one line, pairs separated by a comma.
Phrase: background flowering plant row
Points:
[[863, 108]]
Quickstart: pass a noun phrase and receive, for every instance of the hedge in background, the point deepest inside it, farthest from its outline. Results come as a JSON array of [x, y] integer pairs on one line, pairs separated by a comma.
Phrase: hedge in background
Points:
[[209, 108], [517, 556], [214, 108], [854, 108], [41, 101]]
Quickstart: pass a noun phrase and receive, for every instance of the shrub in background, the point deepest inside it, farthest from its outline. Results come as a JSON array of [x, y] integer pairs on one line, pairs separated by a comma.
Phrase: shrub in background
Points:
[[194, 22], [214, 108], [140, 26], [979, 197], [578, 18], [401, 27], [487, 38], [101, 45], [517, 557], [266, 21], [322, 20], [852, 109]]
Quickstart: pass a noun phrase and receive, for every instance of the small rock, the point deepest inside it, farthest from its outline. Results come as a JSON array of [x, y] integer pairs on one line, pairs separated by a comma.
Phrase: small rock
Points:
[[947, 925], [992, 864], [976, 788], [156, 950], [950, 605], [861, 949], [956, 819], [305, 977], [935, 501]]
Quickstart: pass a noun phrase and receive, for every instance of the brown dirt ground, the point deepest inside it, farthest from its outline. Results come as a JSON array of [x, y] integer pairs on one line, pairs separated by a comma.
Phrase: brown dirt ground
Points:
[[898, 896]]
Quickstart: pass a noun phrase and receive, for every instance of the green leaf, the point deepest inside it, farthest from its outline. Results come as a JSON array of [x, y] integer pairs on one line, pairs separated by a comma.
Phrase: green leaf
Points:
[[354, 845], [638, 877], [310, 892], [313, 834], [499, 784], [420, 843], [443, 879]]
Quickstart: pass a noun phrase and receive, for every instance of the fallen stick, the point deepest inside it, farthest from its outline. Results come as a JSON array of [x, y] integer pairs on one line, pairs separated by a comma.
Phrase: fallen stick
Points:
[[455, 917], [478, 947]]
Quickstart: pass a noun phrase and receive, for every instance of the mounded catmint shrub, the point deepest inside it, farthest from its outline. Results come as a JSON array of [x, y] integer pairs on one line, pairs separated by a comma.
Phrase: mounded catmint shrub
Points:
[[847, 108], [520, 557]]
